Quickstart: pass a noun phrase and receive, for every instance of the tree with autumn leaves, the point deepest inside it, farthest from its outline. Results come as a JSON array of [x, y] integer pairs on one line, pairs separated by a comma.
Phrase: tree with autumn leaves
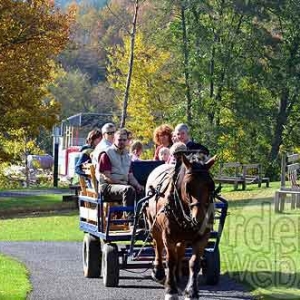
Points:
[[32, 34], [151, 90]]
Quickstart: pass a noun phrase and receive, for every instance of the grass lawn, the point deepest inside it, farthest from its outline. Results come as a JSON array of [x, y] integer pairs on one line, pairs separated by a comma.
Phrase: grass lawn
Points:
[[258, 247], [14, 279], [261, 248], [30, 203], [53, 227]]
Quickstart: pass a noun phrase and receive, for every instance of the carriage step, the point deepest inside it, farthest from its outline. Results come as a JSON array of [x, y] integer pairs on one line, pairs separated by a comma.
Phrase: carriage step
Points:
[[148, 252], [143, 252], [125, 231], [220, 205], [113, 209], [120, 221], [143, 258], [214, 234]]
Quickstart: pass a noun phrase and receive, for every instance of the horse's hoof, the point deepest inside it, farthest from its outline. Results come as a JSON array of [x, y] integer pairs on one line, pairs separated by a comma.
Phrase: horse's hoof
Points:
[[159, 280], [158, 276], [191, 296], [171, 297]]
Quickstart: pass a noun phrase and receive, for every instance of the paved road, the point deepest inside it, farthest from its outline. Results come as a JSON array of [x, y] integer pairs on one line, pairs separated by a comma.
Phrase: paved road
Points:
[[56, 274]]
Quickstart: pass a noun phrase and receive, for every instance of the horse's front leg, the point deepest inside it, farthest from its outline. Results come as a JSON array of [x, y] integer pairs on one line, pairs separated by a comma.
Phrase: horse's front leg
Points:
[[158, 272], [171, 290], [180, 248], [191, 290]]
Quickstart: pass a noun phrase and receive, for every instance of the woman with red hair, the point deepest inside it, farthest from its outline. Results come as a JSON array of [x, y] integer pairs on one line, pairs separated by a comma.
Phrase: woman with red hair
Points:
[[162, 137]]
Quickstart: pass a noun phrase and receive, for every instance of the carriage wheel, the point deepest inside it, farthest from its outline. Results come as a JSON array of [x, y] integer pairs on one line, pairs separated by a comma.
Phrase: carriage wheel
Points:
[[110, 265], [211, 267], [91, 256]]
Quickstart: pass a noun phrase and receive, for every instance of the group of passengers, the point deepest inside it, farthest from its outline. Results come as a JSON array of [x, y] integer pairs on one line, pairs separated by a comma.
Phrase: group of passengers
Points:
[[166, 140], [112, 151]]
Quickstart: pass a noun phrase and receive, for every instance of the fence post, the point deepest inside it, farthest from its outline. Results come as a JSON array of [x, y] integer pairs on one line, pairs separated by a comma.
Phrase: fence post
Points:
[[283, 169]]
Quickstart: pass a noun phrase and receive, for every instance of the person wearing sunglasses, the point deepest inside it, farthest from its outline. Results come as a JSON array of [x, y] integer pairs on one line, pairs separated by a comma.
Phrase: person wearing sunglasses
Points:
[[117, 182], [108, 130]]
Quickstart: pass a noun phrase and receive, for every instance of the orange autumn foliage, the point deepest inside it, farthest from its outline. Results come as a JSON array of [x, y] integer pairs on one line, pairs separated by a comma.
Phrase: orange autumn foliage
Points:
[[32, 34]]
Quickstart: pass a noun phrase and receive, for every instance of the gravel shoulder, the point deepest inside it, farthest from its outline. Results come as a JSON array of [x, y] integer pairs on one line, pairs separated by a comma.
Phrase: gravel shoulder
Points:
[[56, 273]]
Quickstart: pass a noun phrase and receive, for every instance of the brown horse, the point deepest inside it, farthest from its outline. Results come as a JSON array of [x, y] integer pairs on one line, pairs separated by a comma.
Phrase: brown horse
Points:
[[180, 214]]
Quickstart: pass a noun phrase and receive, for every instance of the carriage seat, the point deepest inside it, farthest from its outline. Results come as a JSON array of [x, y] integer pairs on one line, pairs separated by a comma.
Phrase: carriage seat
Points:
[[142, 168], [89, 188], [88, 183]]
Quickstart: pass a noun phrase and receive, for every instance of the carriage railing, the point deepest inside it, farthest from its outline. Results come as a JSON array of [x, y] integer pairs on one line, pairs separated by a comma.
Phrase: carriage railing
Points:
[[98, 220], [137, 217], [103, 228], [221, 207], [91, 220]]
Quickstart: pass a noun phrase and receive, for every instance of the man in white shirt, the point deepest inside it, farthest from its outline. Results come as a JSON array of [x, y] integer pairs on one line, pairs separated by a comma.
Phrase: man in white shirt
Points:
[[108, 130]]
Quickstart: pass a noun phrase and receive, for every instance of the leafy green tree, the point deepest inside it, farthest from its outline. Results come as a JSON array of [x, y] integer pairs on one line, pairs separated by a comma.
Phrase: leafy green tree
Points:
[[229, 106], [76, 94], [280, 61]]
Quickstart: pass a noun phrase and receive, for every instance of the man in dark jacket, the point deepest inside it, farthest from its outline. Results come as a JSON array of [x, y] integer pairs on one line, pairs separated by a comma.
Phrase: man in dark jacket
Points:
[[182, 133]]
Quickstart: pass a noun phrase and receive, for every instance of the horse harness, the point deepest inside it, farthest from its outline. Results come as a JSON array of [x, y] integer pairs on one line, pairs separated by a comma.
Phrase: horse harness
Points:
[[184, 221], [174, 208]]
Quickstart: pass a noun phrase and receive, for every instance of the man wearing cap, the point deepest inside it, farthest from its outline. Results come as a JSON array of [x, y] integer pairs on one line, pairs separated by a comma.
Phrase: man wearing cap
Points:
[[182, 133], [117, 182], [108, 130]]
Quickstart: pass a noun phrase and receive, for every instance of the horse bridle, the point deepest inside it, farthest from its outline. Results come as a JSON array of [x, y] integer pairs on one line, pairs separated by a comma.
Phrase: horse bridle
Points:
[[186, 220]]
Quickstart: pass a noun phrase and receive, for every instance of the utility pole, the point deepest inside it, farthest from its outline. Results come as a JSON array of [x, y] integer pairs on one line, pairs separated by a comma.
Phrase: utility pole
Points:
[[56, 135]]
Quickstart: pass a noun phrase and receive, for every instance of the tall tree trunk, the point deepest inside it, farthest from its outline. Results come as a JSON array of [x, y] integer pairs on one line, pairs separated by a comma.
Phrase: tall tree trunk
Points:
[[211, 72], [199, 84], [285, 107], [130, 65], [215, 115], [281, 120], [211, 114], [186, 68]]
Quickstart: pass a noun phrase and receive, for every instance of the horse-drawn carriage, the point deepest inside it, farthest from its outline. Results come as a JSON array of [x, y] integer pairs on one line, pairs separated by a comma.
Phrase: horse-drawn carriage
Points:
[[110, 244]]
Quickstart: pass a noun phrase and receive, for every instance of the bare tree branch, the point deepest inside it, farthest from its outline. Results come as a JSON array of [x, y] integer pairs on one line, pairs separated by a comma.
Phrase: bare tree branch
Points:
[[118, 18], [130, 64]]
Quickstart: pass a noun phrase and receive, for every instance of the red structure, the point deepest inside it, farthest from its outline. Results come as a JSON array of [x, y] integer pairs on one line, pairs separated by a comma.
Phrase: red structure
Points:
[[73, 132]]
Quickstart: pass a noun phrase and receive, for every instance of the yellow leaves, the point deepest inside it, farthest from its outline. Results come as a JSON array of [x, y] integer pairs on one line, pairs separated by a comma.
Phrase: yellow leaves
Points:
[[30, 37], [17, 145], [149, 92]]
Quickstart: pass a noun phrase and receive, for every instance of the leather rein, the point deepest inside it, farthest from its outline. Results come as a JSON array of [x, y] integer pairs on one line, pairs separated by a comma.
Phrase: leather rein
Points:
[[176, 210]]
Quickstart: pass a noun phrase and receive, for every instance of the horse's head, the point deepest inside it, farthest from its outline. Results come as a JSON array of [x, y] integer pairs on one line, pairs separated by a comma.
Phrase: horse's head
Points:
[[196, 187]]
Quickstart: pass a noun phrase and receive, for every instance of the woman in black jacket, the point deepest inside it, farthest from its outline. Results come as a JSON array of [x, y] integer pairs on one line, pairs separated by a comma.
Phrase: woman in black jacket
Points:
[[92, 140]]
